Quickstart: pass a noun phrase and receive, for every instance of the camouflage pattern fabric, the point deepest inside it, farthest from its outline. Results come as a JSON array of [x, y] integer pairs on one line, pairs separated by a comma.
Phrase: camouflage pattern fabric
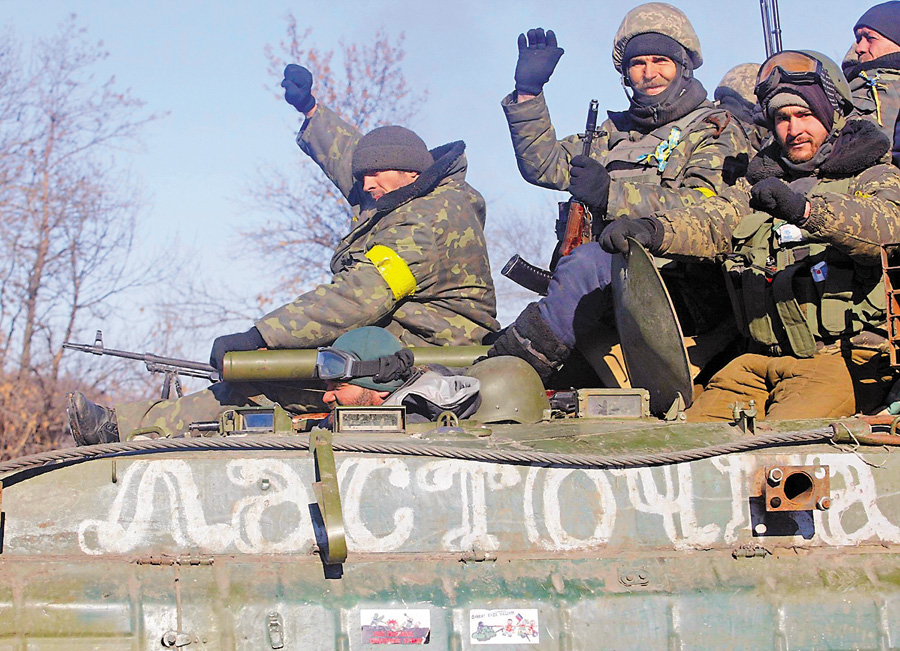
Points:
[[854, 208], [739, 80], [171, 417], [734, 93], [856, 223], [876, 95], [436, 230], [659, 18], [709, 157]]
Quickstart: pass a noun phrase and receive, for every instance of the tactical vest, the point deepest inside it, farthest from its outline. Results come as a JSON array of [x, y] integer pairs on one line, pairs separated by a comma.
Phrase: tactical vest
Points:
[[788, 295], [656, 157]]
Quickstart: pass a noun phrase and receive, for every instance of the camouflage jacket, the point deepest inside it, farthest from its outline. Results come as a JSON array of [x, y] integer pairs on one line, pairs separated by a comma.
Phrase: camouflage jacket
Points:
[[415, 261], [876, 93], [854, 204], [711, 154]]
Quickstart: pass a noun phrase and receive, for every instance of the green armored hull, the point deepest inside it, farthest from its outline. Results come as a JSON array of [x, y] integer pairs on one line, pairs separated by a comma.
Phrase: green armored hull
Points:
[[458, 540]]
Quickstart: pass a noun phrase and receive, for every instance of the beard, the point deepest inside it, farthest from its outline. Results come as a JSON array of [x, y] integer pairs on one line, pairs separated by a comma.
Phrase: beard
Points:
[[365, 398]]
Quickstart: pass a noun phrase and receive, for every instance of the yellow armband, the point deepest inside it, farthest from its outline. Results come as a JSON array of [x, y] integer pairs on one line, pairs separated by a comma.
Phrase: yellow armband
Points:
[[393, 269], [706, 192]]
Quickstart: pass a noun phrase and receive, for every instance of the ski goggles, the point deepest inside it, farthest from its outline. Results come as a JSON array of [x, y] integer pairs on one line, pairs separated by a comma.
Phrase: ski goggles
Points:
[[333, 364], [788, 66]]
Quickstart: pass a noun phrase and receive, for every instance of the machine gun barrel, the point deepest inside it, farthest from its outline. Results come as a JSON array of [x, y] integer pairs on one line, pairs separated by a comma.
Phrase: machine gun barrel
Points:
[[154, 363]]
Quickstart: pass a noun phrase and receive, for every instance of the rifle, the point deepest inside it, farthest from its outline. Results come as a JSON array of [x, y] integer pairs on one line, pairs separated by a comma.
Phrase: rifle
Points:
[[170, 366], [574, 214], [574, 217], [771, 26]]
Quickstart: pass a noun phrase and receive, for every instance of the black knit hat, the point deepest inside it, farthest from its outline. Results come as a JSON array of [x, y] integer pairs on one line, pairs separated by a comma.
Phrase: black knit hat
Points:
[[391, 148], [884, 19], [809, 96], [654, 43]]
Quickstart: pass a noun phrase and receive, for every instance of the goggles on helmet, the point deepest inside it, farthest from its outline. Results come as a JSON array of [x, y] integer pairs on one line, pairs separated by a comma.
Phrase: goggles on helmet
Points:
[[788, 66], [334, 364]]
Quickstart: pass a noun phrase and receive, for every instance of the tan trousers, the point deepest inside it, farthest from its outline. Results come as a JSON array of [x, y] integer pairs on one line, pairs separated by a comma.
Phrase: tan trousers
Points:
[[832, 384]]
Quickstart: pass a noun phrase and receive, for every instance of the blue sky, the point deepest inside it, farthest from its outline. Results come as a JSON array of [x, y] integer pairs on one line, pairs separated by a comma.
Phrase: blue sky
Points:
[[203, 63]]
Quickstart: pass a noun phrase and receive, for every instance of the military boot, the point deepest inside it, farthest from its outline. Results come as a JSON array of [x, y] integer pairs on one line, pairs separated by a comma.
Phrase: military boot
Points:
[[531, 338], [90, 424]]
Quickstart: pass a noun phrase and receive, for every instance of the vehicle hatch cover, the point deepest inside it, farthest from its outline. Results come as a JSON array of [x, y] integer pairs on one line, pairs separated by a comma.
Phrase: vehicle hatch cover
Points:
[[649, 332]]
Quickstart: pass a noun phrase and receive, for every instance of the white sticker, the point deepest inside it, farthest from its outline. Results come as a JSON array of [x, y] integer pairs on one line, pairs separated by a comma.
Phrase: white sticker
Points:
[[395, 626], [787, 233], [513, 626]]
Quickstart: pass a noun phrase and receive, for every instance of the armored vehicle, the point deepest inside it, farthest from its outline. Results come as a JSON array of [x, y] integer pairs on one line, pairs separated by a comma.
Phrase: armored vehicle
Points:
[[531, 526]]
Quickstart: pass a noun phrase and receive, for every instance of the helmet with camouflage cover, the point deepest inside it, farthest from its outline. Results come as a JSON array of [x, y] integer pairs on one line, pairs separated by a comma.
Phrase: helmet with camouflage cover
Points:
[[739, 82], [657, 18]]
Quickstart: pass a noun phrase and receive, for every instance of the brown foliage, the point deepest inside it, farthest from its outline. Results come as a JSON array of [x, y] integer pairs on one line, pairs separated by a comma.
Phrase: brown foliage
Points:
[[309, 216], [68, 214]]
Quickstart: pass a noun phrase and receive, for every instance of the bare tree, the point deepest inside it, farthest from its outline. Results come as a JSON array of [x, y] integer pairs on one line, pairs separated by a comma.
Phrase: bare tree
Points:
[[67, 219], [309, 216], [528, 234]]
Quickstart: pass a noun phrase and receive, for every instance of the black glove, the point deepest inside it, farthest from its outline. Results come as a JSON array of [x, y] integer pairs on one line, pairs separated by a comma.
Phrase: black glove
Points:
[[538, 56], [297, 86], [250, 340], [646, 230], [589, 183], [773, 196]]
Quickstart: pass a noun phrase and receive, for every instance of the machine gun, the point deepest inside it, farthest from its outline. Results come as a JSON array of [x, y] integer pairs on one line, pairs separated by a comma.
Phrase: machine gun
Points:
[[281, 365], [771, 26], [170, 366]]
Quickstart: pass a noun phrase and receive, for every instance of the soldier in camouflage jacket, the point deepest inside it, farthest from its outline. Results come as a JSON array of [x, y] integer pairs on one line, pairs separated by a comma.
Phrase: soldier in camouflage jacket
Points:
[[671, 148], [872, 68], [415, 262], [800, 242]]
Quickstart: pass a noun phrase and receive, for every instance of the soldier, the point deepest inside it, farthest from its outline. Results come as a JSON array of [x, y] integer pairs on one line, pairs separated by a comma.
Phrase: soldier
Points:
[[369, 367], [415, 258], [414, 261], [800, 238], [874, 71], [672, 147], [735, 94]]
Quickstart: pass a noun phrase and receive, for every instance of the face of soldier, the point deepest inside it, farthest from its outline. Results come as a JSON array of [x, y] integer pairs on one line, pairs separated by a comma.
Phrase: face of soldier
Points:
[[379, 184], [799, 133], [346, 394], [651, 74], [872, 45]]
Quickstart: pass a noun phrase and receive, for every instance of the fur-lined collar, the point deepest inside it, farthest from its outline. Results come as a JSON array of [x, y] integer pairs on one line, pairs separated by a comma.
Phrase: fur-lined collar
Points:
[[859, 145], [887, 62], [444, 158]]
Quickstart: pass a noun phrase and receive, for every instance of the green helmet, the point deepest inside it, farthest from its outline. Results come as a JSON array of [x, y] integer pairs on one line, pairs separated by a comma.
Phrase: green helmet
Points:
[[836, 79], [657, 18], [780, 67], [511, 391]]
